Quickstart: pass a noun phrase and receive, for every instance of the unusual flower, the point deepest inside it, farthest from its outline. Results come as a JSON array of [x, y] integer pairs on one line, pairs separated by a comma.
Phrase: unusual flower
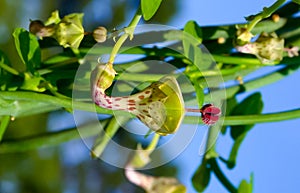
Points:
[[160, 106], [268, 48]]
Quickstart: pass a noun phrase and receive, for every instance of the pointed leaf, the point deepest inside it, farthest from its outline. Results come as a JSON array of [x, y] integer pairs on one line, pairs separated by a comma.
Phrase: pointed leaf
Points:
[[194, 29], [201, 177], [149, 8], [245, 187], [252, 105], [28, 48]]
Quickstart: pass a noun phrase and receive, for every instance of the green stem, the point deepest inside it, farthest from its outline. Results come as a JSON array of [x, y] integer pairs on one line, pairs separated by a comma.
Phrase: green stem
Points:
[[9, 69], [222, 178], [153, 143], [49, 139], [252, 119], [267, 12], [104, 137], [237, 60], [55, 101], [128, 33], [3, 125]]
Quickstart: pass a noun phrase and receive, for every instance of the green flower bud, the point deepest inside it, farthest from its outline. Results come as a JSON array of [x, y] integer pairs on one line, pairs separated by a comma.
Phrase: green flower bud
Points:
[[99, 34], [69, 31]]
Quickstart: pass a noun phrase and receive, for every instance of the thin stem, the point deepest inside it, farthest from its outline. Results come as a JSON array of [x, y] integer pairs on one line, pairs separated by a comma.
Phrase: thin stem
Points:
[[3, 125], [222, 178], [104, 137], [267, 11], [153, 143], [49, 139], [128, 33], [9, 69], [55, 101], [252, 119]]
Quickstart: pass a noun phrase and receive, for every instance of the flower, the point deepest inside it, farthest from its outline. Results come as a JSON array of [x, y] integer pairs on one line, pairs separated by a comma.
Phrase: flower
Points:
[[160, 106], [268, 48]]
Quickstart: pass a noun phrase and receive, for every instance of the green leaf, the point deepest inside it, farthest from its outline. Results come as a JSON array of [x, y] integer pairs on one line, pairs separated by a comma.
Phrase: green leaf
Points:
[[201, 177], [4, 121], [249, 106], [149, 8], [194, 29], [28, 49], [296, 1], [199, 93], [268, 26], [4, 74], [252, 105], [234, 150], [246, 187], [33, 83]]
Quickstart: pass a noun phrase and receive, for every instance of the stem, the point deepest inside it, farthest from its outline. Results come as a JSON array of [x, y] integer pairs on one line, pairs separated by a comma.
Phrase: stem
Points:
[[252, 119], [9, 69], [48, 139], [153, 143], [267, 12], [222, 178], [55, 101], [237, 60], [128, 33], [104, 137], [3, 125]]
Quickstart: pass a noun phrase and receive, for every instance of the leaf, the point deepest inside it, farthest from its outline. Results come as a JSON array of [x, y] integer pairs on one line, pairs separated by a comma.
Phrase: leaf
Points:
[[296, 1], [268, 26], [194, 29], [201, 177], [5, 76], [252, 105], [33, 83], [234, 150], [246, 187], [28, 49], [199, 93], [149, 8]]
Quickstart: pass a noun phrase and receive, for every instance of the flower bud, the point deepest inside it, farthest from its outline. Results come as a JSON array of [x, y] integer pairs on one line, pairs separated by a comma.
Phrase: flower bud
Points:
[[99, 34], [36, 26]]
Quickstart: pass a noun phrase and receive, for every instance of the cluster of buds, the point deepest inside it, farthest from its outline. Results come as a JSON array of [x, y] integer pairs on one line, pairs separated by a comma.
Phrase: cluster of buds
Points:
[[68, 31]]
